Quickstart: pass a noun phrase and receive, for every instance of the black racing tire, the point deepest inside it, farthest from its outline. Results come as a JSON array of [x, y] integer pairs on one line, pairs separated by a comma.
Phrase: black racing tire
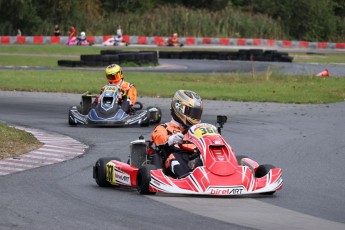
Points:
[[79, 108], [71, 122], [243, 55], [86, 103], [66, 63], [146, 122], [138, 106], [163, 54], [91, 57], [144, 178], [262, 171], [154, 116], [239, 158], [111, 52], [100, 171]]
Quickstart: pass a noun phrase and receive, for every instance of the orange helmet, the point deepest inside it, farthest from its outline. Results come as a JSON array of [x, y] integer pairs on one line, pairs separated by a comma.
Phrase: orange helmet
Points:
[[114, 74]]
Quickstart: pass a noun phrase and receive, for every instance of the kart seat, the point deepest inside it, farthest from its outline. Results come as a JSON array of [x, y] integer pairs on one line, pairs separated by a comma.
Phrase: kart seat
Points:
[[157, 160]]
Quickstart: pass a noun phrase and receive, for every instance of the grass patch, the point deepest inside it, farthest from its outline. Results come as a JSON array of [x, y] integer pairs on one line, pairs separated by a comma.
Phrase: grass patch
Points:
[[14, 142], [319, 58], [235, 87], [48, 61], [8, 60], [51, 49], [77, 50]]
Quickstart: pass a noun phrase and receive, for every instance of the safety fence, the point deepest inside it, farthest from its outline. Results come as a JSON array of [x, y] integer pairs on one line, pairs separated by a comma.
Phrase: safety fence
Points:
[[156, 40]]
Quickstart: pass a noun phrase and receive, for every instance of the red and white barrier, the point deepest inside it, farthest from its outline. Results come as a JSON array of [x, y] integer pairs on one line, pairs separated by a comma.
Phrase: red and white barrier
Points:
[[144, 40]]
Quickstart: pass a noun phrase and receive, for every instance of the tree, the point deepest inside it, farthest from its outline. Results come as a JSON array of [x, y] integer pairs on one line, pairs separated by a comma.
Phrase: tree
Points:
[[18, 14], [205, 4], [303, 20], [123, 6]]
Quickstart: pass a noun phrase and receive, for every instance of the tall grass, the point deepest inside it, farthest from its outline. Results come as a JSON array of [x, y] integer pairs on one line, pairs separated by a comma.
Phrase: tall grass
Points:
[[200, 23], [165, 20]]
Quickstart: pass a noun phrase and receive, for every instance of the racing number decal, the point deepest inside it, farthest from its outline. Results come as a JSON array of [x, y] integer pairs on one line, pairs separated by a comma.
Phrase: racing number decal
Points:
[[109, 173], [205, 131], [111, 88]]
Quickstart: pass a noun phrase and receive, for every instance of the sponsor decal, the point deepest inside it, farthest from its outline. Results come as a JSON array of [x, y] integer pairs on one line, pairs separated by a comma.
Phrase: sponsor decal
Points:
[[217, 142], [122, 178], [225, 190], [111, 88], [180, 107]]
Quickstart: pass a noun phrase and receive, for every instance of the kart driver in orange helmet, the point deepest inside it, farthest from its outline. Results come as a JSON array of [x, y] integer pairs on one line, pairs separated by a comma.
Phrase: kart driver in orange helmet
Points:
[[115, 76]]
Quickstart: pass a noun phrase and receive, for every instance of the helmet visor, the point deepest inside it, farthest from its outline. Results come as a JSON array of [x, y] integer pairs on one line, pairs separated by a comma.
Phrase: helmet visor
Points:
[[193, 112], [114, 77]]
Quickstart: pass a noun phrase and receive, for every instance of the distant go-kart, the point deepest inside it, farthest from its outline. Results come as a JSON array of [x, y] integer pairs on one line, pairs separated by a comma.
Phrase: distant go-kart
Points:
[[75, 41], [108, 111], [221, 173], [115, 42]]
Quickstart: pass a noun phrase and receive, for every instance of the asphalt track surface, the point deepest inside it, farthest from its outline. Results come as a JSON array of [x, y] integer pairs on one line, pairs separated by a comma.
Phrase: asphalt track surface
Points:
[[306, 141]]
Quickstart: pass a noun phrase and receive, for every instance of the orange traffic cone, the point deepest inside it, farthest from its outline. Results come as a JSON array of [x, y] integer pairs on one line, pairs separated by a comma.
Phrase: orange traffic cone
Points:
[[323, 73]]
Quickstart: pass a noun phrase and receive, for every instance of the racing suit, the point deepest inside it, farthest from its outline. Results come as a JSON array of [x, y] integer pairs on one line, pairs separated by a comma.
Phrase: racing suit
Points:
[[173, 41], [128, 97], [166, 137], [72, 33]]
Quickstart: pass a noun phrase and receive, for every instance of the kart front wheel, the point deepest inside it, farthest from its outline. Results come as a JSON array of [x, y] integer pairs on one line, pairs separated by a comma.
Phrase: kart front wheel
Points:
[[99, 171], [71, 121], [144, 178], [262, 171]]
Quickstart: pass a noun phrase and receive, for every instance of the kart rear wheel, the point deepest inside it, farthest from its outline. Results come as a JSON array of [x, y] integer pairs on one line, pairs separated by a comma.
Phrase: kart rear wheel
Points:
[[99, 171], [262, 171], [155, 115], [144, 178], [85, 104], [138, 106], [79, 108], [146, 122]]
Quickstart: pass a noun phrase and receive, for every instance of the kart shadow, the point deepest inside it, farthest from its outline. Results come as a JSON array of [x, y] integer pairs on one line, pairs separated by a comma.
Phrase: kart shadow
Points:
[[127, 189], [195, 196]]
